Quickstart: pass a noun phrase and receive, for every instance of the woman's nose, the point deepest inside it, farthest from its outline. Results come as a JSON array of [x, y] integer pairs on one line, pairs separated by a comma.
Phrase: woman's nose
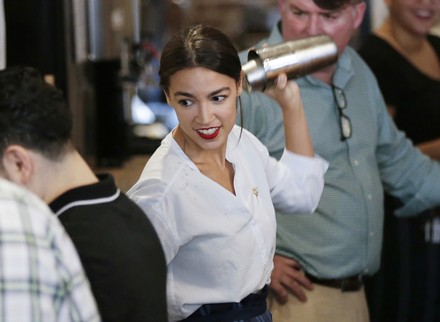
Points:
[[204, 115]]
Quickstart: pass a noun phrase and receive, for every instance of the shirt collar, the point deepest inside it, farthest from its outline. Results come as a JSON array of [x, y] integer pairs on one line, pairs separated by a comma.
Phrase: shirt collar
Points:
[[101, 192]]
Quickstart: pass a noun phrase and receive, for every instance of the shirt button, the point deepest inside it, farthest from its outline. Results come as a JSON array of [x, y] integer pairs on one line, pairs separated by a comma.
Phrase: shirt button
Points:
[[366, 271], [369, 197], [371, 233], [356, 162]]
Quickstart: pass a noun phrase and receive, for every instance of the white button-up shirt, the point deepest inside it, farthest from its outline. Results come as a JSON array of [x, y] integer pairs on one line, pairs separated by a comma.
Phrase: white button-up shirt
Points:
[[219, 246]]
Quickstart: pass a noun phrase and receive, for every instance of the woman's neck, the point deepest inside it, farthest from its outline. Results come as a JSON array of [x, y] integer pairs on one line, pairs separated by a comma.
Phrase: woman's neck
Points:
[[198, 155], [414, 47], [402, 40]]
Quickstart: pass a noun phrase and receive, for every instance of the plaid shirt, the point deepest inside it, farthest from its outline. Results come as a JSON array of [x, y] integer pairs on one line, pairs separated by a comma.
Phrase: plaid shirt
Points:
[[41, 277]]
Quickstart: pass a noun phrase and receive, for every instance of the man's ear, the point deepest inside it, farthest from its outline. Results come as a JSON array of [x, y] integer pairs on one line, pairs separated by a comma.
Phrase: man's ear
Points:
[[18, 164], [360, 9]]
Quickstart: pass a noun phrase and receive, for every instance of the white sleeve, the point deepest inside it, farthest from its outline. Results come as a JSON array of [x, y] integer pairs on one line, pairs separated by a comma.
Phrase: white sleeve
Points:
[[295, 181], [149, 196], [300, 188]]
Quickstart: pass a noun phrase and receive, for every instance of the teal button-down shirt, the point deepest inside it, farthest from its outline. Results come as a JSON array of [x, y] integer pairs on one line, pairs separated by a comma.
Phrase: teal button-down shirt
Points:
[[344, 236]]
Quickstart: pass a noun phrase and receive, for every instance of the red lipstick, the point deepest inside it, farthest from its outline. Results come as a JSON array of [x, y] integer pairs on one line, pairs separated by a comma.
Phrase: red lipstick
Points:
[[208, 133]]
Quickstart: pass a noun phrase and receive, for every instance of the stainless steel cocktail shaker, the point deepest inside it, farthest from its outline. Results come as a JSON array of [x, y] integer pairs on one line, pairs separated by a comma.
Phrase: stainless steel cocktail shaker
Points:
[[296, 58]]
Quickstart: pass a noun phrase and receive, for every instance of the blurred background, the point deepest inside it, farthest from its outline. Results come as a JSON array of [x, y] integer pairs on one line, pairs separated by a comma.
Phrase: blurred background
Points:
[[104, 55]]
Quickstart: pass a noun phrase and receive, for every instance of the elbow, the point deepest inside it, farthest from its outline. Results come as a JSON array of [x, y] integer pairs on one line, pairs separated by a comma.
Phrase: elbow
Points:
[[305, 202], [316, 195], [312, 196]]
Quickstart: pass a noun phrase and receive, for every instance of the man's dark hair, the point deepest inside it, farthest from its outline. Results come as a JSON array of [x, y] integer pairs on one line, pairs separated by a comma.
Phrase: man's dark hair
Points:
[[33, 113], [334, 4]]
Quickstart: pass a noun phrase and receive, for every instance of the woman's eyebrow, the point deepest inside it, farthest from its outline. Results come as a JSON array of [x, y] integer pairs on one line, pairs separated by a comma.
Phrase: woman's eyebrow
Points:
[[186, 94]]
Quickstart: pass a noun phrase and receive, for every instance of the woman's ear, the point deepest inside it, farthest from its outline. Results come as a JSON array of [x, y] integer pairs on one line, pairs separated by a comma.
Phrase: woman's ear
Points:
[[167, 97], [240, 84], [18, 164]]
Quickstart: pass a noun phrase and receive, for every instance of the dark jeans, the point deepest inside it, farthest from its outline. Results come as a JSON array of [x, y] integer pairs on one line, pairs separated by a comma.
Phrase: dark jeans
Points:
[[253, 308]]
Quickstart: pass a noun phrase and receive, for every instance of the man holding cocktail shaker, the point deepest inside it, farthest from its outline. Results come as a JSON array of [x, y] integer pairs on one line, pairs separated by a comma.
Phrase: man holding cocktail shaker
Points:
[[322, 260]]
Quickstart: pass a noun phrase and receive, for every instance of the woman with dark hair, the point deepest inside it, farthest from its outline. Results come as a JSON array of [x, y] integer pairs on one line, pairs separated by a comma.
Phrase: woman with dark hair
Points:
[[211, 187]]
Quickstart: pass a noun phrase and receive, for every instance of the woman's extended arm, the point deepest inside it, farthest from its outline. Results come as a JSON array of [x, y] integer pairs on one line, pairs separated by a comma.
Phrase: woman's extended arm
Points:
[[297, 135]]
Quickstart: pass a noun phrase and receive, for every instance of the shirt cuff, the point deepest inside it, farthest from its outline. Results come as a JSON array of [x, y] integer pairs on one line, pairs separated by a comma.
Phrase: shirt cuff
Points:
[[304, 161]]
